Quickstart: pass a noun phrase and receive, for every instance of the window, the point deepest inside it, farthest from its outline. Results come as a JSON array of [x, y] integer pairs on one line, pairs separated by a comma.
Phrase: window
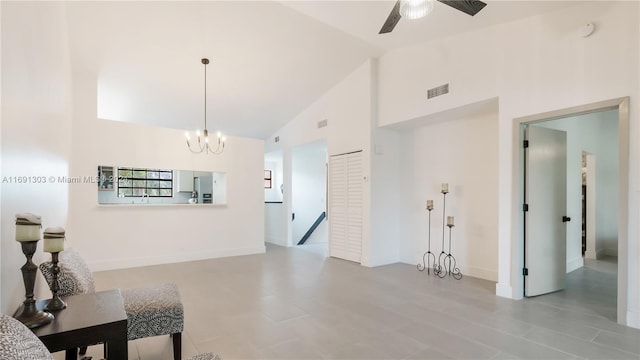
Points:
[[267, 179], [135, 182]]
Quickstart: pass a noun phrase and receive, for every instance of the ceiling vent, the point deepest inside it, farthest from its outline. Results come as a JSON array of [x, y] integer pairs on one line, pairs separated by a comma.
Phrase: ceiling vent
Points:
[[322, 123], [437, 91]]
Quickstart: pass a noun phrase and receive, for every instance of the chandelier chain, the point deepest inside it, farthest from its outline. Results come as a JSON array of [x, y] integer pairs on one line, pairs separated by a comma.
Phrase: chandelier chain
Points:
[[205, 94]]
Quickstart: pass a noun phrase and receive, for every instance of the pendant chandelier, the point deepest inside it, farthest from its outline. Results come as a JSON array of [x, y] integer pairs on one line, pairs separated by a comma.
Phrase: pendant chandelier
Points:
[[204, 144]]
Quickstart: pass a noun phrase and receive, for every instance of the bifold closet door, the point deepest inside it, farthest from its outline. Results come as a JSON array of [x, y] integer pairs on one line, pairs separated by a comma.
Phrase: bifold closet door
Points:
[[345, 206]]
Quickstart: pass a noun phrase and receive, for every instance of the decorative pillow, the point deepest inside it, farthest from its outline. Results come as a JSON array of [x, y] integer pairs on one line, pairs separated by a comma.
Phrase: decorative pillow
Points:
[[74, 277], [18, 342]]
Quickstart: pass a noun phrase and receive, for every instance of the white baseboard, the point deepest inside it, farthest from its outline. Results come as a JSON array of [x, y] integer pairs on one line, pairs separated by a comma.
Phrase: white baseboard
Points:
[[276, 241], [612, 251], [633, 319], [486, 274], [125, 263], [381, 261], [504, 290], [590, 254], [600, 253], [575, 264], [365, 261]]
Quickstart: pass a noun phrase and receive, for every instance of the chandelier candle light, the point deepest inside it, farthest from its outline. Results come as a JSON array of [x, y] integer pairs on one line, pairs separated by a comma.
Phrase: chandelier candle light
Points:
[[28, 234], [54, 244], [204, 145]]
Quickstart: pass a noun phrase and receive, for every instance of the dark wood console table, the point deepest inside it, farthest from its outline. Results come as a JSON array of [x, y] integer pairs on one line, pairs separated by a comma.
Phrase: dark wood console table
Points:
[[88, 319]]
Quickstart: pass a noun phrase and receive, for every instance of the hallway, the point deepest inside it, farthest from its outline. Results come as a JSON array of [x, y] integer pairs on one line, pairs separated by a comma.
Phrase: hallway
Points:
[[591, 290]]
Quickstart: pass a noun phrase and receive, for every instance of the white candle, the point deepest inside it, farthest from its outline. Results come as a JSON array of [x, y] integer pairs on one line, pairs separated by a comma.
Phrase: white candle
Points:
[[445, 188], [27, 233], [449, 220], [28, 227], [429, 204], [54, 239], [52, 245]]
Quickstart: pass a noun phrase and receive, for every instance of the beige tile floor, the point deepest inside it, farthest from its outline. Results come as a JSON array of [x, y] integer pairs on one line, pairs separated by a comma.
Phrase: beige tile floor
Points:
[[293, 303]]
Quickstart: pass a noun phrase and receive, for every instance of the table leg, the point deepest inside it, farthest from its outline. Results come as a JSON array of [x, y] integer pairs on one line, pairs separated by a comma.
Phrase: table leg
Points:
[[116, 348], [71, 354]]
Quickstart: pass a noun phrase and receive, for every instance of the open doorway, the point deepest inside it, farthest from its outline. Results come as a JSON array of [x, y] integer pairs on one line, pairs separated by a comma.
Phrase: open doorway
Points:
[[275, 211], [309, 230], [597, 281]]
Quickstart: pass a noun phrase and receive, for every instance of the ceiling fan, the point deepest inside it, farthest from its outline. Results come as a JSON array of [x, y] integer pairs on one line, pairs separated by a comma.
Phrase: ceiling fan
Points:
[[414, 9]]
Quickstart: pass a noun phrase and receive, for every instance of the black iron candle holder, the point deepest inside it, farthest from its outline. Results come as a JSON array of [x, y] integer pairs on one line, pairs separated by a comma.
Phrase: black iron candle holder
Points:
[[56, 302], [426, 258], [29, 314], [449, 265], [446, 261], [439, 269]]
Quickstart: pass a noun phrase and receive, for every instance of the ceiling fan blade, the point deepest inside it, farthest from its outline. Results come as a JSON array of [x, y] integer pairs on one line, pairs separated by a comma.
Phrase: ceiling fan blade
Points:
[[392, 19], [470, 7]]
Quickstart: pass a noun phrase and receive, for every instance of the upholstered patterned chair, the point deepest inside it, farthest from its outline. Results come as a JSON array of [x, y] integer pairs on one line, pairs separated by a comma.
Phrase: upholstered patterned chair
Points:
[[18, 342], [151, 311], [205, 356]]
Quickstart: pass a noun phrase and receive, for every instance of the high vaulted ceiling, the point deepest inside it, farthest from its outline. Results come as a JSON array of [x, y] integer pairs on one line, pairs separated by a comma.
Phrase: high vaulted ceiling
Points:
[[269, 60]]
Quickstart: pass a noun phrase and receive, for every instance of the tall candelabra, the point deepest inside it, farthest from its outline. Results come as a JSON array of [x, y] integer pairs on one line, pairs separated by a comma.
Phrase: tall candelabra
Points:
[[449, 265], [446, 264], [439, 269], [426, 258]]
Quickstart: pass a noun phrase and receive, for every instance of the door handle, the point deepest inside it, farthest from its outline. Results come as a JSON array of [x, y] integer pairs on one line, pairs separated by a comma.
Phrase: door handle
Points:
[[566, 219]]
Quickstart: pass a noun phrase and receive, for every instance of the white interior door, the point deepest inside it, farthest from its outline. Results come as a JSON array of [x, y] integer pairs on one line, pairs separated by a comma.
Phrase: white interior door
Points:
[[337, 206], [546, 197], [354, 202], [345, 206]]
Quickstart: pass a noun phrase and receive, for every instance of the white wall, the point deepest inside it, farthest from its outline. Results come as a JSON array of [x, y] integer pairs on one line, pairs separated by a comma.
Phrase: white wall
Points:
[[219, 188], [533, 65], [308, 186], [125, 236], [113, 236], [597, 134], [275, 220], [387, 191], [347, 109], [36, 124], [463, 153], [388, 197]]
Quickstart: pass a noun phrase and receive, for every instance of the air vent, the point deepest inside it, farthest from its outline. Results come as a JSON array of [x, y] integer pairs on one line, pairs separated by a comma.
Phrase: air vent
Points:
[[277, 139], [322, 123], [437, 91]]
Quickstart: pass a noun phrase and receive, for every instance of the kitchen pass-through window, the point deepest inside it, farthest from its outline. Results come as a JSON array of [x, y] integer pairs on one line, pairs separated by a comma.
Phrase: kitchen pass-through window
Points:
[[136, 182]]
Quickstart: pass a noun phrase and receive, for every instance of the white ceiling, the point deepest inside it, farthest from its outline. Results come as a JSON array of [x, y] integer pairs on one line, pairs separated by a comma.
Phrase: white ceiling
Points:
[[269, 60]]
